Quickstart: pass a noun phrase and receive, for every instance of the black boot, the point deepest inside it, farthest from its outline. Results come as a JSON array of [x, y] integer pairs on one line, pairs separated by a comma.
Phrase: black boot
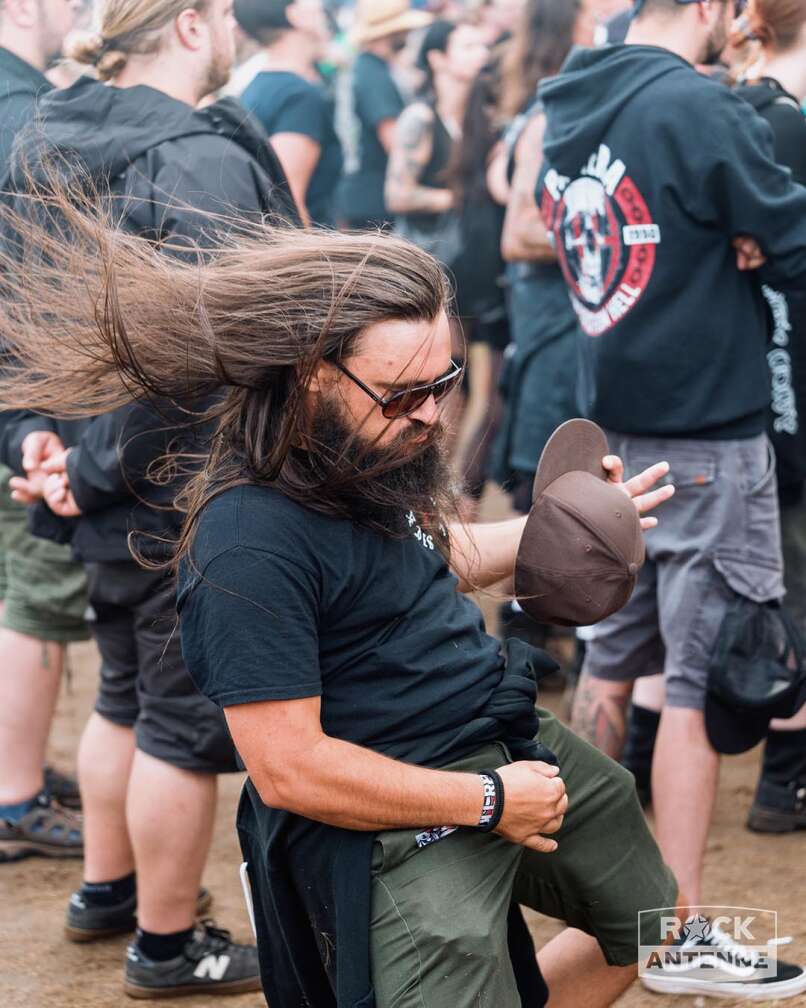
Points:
[[780, 802], [639, 747]]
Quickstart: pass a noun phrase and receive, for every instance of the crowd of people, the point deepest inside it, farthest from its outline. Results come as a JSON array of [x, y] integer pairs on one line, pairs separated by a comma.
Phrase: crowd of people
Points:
[[285, 287]]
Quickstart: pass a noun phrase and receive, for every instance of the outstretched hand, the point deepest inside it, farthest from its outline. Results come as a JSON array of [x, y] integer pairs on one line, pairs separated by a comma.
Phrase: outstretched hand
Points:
[[639, 488]]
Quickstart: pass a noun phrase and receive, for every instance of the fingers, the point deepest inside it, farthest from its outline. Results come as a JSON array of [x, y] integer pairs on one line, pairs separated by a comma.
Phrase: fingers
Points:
[[546, 769], [649, 501], [645, 480], [56, 463], [23, 491], [540, 844], [33, 450], [614, 467]]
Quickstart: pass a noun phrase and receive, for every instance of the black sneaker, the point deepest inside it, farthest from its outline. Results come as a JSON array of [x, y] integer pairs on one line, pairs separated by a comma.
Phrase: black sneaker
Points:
[[211, 963], [63, 788], [778, 808], [86, 923], [47, 830], [718, 966]]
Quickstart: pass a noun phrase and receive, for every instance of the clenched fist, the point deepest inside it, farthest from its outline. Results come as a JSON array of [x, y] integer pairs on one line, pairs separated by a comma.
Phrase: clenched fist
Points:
[[534, 803]]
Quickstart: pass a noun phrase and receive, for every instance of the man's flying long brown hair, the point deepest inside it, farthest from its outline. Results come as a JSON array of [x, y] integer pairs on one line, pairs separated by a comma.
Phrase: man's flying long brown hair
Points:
[[92, 317]]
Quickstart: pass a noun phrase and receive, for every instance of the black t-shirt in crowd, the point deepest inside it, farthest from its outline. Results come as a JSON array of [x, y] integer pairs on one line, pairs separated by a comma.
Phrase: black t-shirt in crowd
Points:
[[283, 603], [287, 103], [376, 98]]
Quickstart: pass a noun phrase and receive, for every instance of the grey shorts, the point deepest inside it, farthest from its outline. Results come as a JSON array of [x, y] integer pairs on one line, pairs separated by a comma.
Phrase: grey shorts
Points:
[[718, 537]]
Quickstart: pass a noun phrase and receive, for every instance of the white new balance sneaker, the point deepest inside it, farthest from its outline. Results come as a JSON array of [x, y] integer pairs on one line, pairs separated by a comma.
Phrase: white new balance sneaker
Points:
[[713, 964]]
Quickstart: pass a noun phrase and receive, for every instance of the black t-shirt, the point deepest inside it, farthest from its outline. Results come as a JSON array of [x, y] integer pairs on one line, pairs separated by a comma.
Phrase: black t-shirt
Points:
[[376, 98], [282, 603], [287, 103]]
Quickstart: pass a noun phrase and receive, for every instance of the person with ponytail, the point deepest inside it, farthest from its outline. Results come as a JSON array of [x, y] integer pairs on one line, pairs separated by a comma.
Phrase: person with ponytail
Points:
[[776, 88], [181, 177]]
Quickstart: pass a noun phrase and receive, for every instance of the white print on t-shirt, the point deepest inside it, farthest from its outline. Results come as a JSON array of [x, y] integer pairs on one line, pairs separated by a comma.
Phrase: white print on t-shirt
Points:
[[604, 237], [425, 540], [784, 402]]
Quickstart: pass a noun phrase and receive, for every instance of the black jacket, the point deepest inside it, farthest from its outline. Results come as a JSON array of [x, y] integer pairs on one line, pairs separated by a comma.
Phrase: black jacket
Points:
[[651, 170], [173, 163], [21, 85], [787, 352]]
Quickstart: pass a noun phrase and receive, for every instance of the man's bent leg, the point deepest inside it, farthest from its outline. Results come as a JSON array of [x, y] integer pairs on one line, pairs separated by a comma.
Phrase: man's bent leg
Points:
[[607, 868], [685, 776]]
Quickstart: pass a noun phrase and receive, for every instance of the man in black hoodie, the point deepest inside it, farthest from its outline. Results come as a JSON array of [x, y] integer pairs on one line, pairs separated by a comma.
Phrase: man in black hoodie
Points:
[[42, 590], [152, 748], [663, 197]]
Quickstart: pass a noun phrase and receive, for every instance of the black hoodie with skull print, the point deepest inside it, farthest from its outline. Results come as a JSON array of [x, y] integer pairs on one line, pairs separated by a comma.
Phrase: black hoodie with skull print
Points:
[[651, 171]]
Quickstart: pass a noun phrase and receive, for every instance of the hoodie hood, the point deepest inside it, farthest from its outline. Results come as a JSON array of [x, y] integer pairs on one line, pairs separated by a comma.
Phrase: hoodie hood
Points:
[[592, 90], [107, 128]]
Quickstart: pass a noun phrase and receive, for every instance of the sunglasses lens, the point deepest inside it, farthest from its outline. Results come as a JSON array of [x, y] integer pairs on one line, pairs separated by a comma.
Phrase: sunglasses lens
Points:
[[409, 402], [405, 403]]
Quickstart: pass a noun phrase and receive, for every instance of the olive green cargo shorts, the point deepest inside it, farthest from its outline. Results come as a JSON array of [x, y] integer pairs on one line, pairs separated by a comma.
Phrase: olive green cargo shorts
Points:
[[439, 913], [44, 589]]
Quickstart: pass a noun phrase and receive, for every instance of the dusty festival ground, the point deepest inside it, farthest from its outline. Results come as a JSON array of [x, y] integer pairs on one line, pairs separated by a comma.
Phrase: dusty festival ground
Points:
[[39, 969]]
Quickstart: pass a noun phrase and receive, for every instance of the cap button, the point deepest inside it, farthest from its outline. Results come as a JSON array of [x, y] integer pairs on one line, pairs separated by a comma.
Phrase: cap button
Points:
[[633, 568]]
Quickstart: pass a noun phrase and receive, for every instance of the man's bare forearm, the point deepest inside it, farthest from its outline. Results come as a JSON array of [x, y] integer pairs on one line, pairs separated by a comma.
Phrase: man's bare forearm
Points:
[[484, 554], [344, 785]]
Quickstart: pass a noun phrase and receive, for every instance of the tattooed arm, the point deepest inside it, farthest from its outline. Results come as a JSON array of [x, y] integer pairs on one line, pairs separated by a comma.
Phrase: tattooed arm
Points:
[[524, 238], [410, 154]]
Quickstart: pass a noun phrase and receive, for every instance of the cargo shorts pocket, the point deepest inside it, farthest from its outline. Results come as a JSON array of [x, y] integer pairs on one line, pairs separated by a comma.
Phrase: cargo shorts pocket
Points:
[[753, 576]]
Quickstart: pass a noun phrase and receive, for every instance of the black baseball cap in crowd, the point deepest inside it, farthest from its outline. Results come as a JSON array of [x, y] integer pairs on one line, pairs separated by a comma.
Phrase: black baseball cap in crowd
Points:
[[583, 547], [756, 673]]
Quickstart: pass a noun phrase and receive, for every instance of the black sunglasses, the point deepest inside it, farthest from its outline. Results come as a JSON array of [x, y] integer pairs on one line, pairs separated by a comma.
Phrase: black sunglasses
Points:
[[409, 400]]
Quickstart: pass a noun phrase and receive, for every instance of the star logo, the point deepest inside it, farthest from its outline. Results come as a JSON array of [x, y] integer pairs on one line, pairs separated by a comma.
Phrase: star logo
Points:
[[697, 928]]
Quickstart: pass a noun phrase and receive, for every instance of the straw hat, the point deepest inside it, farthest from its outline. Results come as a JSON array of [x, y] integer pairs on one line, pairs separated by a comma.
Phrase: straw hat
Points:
[[377, 19]]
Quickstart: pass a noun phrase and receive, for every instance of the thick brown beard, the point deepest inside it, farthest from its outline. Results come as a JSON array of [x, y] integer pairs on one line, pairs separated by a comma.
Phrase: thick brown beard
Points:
[[376, 486]]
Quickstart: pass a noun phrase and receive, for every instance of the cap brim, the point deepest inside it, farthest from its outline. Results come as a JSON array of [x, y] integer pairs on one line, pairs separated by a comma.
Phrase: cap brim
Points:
[[576, 446], [732, 730], [408, 21]]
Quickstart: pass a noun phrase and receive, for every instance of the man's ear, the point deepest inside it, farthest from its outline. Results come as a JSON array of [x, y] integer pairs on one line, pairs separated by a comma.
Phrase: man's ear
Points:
[[190, 27]]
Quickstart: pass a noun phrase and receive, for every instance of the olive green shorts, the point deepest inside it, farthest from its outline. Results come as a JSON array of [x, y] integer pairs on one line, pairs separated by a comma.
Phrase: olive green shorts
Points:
[[44, 589], [438, 933]]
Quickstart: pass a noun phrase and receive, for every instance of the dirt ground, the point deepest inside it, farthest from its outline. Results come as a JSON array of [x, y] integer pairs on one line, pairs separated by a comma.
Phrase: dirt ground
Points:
[[40, 969]]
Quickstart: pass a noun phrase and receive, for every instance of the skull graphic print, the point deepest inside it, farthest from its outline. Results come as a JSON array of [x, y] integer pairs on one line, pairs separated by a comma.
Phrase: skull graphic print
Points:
[[604, 237]]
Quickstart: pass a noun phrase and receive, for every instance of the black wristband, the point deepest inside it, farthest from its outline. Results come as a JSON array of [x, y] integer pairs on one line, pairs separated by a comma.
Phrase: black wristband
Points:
[[493, 806]]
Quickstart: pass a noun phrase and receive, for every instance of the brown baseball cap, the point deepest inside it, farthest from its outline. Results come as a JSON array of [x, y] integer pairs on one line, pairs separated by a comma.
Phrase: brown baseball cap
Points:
[[583, 546]]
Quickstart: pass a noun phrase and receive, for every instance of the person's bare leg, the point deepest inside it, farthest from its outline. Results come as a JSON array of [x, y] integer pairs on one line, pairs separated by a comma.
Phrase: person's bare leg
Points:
[[104, 764], [30, 674], [171, 813], [685, 774], [650, 692], [599, 714], [577, 974]]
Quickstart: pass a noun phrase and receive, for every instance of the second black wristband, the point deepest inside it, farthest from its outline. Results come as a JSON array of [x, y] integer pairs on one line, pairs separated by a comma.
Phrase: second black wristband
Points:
[[493, 807]]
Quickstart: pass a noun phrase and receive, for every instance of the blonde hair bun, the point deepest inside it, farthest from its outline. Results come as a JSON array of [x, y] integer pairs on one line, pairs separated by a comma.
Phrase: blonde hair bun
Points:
[[92, 50]]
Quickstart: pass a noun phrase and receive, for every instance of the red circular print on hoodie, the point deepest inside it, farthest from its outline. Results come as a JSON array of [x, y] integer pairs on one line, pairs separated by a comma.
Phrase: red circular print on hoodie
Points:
[[604, 238]]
